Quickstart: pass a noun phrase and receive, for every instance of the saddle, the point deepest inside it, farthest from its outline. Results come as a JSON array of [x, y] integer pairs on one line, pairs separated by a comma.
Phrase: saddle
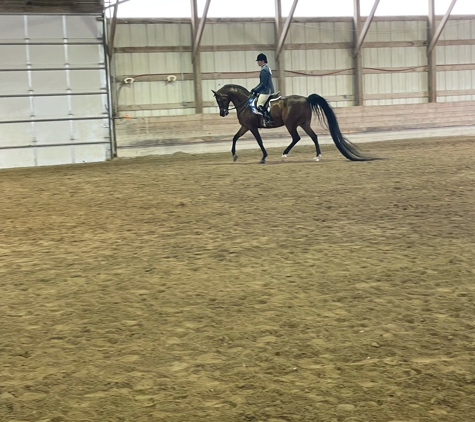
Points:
[[253, 101]]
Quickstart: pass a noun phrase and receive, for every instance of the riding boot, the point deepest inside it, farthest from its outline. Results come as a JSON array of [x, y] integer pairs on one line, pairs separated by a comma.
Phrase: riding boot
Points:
[[267, 117]]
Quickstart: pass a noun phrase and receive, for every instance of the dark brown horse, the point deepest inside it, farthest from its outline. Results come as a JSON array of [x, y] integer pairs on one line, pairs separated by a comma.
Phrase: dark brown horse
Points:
[[293, 111]]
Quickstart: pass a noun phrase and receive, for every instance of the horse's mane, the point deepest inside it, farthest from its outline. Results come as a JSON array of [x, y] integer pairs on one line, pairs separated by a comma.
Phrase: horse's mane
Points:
[[238, 88]]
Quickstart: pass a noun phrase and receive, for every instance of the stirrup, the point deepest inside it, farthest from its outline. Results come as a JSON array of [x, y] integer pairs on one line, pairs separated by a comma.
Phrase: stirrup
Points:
[[268, 120]]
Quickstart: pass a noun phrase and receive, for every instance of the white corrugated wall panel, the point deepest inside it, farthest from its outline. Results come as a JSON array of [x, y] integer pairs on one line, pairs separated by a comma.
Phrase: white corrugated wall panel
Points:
[[267, 34], [298, 60], [328, 86], [237, 33], [379, 31], [343, 31], [314, 85], [343, 59], [328, 60], [178, 63], [305, 61], [296, 34], [405, 30], [456, 54], [221, 33], [451, 30], [251, 33], [327, 33], [141, 35], [324, 59], [312, 32], [207, 37], [384, 58], [314, 59]]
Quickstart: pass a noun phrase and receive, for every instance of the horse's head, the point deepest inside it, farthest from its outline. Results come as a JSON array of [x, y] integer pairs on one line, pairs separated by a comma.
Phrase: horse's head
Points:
[[223, 103]]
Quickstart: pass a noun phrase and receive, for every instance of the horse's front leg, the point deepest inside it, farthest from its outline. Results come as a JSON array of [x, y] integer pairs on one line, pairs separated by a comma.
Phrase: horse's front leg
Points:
[[257, 135], [240, 132]]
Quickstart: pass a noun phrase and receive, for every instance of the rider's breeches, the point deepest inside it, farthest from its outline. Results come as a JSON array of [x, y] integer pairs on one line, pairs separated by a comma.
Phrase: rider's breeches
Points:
[[261, 100]]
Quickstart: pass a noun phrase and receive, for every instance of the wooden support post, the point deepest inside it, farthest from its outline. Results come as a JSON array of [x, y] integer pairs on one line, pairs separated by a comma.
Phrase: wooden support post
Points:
[[197, 78], [280, 61], [285, 29], [431, 56], [199, 30], [433, 35], [357, 59], [364, 31], [110, 46]]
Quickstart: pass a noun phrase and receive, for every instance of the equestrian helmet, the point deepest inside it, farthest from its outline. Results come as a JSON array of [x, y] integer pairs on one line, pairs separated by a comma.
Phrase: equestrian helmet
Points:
[[262, 57]]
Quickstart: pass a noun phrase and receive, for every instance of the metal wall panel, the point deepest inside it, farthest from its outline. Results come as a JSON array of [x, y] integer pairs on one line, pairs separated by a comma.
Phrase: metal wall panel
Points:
[[317, 56], [53, 90], [410, 59], [459, 80], [139, 64], [415, 57], [160, 34], [333, 60], [222, 61], [397, 30]]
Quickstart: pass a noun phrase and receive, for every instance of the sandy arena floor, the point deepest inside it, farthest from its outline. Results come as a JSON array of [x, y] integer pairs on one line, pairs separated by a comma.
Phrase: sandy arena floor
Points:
[[189, 288]]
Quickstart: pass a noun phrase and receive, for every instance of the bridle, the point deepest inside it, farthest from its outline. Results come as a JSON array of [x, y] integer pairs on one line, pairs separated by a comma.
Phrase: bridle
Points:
[[236, 107]]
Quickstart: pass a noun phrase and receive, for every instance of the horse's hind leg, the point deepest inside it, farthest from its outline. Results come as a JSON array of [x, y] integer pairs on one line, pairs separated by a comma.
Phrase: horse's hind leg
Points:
[[295, 138], [240, 132], [308, 130]]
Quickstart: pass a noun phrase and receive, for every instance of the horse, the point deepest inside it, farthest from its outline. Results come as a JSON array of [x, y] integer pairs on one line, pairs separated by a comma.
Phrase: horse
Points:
[[293, 111]]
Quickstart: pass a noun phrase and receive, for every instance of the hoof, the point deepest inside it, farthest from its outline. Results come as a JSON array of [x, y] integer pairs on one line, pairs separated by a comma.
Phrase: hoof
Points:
[[235, 157], [262, 161], [284, 156], [317, 158]]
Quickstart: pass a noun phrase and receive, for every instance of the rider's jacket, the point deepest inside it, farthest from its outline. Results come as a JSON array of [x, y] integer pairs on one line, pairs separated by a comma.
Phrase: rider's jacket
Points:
[[265, 85]]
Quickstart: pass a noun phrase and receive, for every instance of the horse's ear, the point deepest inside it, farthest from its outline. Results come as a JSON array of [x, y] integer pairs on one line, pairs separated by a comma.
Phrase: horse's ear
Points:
[[214, 92]]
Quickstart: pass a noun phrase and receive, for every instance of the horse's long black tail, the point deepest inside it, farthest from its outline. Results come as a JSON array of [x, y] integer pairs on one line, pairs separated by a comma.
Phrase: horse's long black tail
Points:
[[321, 107]]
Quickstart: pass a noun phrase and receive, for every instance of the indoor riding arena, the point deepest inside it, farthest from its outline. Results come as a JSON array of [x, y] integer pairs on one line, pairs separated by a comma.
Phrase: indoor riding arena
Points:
[[147, 276]]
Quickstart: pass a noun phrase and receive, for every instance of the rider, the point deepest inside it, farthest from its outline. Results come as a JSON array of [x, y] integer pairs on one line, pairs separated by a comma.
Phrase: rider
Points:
[[265, 87]]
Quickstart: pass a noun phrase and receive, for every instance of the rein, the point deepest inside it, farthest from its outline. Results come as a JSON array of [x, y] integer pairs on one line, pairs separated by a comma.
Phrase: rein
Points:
[[237, 106]]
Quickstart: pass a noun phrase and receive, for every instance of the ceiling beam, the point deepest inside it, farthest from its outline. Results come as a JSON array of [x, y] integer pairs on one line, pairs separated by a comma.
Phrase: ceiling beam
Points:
[[199, 31], [440, 28], [285, 29], [364, 31]]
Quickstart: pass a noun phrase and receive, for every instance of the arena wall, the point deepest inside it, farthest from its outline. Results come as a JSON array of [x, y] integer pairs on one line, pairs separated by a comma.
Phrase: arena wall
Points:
[[318, 57]]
